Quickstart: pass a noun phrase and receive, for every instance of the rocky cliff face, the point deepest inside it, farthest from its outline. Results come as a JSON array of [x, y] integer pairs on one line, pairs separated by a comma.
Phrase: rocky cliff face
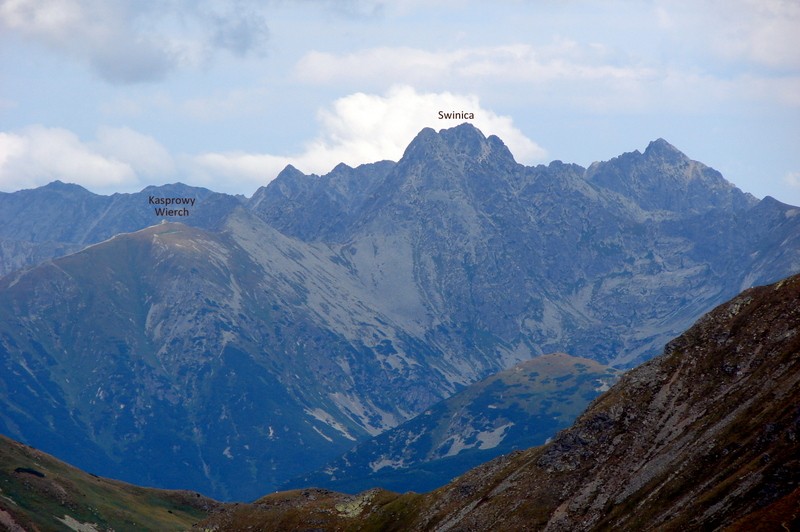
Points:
[[703, 437]]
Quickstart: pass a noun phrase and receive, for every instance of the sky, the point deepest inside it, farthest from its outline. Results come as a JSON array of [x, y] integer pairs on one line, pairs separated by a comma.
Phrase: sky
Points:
[[116, 95]]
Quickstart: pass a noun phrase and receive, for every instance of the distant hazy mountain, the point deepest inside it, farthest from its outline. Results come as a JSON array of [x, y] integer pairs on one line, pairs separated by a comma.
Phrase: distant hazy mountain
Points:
[[511, 410], [60, 218], [703, 437], [260, 339]]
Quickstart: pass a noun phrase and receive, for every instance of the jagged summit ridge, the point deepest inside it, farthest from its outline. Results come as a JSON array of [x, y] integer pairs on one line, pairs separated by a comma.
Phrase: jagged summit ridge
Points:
[[664, 179], [661, 179], [464, 142]]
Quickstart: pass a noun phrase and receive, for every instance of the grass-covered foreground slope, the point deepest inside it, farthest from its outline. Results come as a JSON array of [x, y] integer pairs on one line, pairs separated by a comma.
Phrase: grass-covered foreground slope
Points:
[[704, 437], [39, 492]]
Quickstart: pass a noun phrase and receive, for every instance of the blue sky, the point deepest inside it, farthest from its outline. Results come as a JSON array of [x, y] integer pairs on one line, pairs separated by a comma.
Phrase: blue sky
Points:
[[119, 94]]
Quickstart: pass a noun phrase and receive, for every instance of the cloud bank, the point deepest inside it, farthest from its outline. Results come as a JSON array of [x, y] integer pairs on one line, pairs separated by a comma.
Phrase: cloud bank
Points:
[[119, 159], [356, 129], [129, 41]]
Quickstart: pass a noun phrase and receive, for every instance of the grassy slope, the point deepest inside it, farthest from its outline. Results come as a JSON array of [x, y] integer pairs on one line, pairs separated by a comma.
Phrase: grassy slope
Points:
[[39, 492]]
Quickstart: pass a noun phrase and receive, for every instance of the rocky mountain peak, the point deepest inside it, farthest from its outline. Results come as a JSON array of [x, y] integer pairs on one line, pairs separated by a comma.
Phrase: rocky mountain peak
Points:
[[290, 172], [464, 142], [289, 183], [664, 179], [464, 138], [662, 149], [61, 186], [340, 168]]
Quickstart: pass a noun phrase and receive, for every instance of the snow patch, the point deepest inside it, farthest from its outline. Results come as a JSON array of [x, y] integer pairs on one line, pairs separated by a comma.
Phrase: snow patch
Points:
[[486, 439], [490, 439], [385, 462], [363, 414], [604, 386], [321, 434], [324, 417]]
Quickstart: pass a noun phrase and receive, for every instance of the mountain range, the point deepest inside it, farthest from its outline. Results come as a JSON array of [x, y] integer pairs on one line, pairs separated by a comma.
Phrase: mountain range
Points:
[[257, 340], [703, 437]]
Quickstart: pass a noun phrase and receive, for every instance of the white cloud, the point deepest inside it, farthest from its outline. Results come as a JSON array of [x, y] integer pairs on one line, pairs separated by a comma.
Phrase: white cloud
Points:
[[762, 31], [563, 73], [117, 160], [128, 41], [383, 63], [792, 179], [367, 127], [756, 32], [363, 128], [568, 74], [563, 59], [141, 153]]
